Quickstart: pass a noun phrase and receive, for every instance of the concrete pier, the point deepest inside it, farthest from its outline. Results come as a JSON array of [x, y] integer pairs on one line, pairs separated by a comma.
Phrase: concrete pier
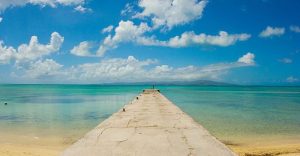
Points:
[[150, 125]]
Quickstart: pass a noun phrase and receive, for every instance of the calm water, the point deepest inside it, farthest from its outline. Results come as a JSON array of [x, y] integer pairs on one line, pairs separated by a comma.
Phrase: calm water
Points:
[[243, 114], [236, 114]]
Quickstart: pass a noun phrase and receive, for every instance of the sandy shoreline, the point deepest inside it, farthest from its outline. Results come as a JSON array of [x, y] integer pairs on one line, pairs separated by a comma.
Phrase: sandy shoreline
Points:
[[16, 145], [31, 145], [55, 150], [267, 150], [266, 146], [30, 150]]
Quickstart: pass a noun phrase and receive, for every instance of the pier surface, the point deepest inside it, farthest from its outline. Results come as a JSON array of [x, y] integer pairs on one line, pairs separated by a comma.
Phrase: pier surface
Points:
[[151, 125]]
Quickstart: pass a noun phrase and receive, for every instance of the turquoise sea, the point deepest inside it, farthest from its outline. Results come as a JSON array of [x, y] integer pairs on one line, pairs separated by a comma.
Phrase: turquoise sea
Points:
[[236, 114]]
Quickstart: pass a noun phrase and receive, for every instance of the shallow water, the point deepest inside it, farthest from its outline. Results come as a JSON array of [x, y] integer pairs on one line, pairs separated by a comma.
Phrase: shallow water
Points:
[[59, 110], [242, 115], [234, 114]]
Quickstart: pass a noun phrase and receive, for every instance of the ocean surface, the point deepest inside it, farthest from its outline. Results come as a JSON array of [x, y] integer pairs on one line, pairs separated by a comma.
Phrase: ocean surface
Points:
[[234, 114]]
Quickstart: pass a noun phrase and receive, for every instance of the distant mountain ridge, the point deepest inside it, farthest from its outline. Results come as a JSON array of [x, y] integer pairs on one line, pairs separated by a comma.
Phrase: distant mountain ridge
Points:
[[196, 83]]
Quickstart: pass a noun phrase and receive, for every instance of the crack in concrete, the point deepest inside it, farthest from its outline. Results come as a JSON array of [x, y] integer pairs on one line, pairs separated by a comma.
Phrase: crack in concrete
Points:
[[128, 122], [98, 136], [190, 148]]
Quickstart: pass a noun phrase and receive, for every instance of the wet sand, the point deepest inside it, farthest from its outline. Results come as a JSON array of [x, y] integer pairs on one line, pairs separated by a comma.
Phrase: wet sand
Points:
[[55, 150], [29, 150], [267, 150], [29, 145]]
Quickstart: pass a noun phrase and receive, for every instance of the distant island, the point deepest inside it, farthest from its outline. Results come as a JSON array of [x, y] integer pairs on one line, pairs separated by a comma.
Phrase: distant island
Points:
[[183, 83]]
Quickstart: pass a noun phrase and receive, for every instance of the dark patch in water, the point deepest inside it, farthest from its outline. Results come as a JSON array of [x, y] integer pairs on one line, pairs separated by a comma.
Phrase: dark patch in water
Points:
[[47, 99], [12, 117], [91, 116], [69, 140], [230, 143], [95, 116], [7, 117], [264, 154], [105, 116]]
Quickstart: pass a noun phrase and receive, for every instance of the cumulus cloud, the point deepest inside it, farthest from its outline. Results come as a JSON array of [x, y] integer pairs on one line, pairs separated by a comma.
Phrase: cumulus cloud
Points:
[[114, 70], [222, 39], [4, 4], [166, 14], [272, 31], [82, 9], [1, 19], [125, 70], [247, 58], [31, 51], [292, 79], [6, 53], [128, 32], [286, 60], [170, 13], [108, 29], [295, 29], [44, 69], [83, 49]]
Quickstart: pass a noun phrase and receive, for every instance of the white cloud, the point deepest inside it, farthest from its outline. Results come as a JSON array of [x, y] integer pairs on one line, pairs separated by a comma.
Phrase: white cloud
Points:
[[1, 19], [46, 69], [83, 49], [4, 4], [292, 79], [190, 38], [272, 31], [114, 70], [295, 28], [127, 10], [32, 51], [82, 9], [124, 70], [286, 60], [6, 53], [108, 29], [127, 32], [162, 69], [170, 13], [247, 58]]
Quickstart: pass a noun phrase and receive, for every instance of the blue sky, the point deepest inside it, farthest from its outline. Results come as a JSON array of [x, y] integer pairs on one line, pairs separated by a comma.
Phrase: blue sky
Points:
[[89, 41]]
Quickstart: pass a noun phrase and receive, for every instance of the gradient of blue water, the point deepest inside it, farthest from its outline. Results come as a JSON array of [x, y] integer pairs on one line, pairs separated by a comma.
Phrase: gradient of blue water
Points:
[[59, 110], [235, 113]]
